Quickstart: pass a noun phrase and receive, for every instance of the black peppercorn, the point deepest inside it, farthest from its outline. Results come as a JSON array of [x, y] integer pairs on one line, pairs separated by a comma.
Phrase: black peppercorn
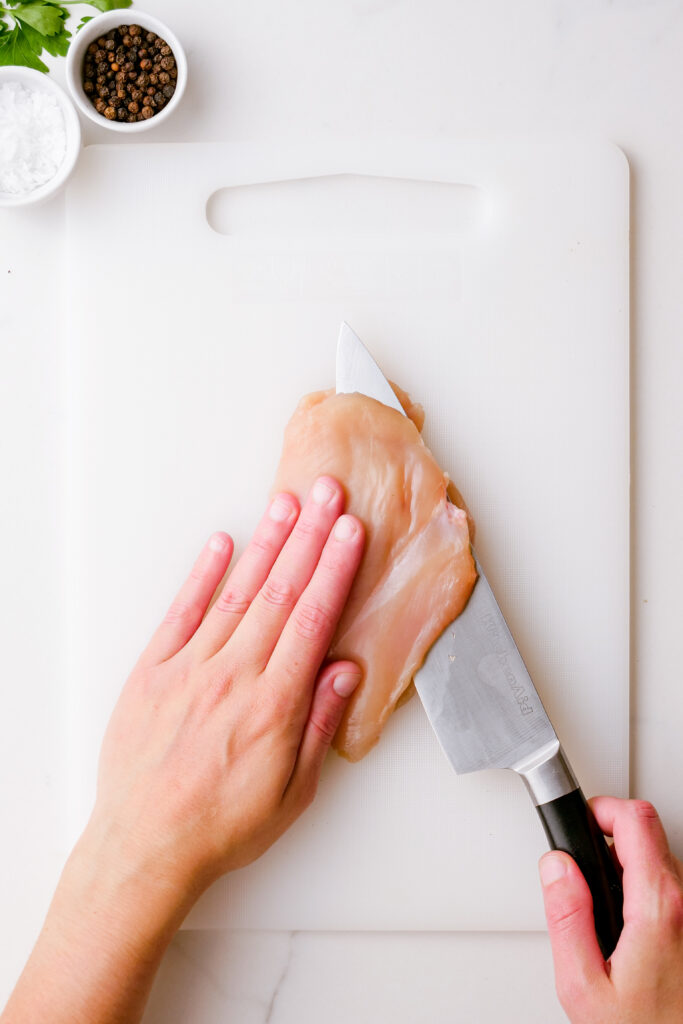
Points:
[[129, 74]]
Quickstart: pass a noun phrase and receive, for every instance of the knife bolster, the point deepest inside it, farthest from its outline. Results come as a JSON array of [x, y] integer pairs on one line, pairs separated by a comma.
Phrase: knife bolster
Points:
[[547, 775]]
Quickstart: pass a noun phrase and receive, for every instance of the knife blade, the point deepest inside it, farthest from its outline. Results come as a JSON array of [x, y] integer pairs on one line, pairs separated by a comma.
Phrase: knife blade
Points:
[[485, 709]]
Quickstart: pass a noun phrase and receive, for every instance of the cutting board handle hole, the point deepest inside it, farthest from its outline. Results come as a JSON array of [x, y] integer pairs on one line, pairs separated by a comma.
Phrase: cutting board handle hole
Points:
[[346, 206]]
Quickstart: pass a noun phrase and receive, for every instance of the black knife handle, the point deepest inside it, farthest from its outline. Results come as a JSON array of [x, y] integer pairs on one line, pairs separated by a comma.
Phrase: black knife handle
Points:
[[570, 825]]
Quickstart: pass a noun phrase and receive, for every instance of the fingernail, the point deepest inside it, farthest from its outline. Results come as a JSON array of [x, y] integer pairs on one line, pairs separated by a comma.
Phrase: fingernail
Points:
[[345, 683], [280, 509], [218, 542], [344, 528], [552, 867], [322, 493]]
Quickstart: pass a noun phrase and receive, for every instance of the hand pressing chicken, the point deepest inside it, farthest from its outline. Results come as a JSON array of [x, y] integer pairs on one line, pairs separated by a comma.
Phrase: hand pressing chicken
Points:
[[213, 750]]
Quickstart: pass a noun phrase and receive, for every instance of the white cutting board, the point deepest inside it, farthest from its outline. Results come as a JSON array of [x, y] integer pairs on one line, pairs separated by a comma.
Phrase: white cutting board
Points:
[[488, 278]]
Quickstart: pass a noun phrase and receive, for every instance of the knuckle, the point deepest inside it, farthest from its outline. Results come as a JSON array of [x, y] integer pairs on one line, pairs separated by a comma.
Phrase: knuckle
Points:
[[217, 687], [334, 563], [259, 543], [179, 611], [232, 601], [305, 529], [312, 620], [643, 809], [325, 725], [276, 705], [278, 593], [564, 916]]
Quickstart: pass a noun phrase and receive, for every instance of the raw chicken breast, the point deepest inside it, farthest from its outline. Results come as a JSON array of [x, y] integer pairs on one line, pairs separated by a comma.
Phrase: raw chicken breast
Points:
[[417, 570]]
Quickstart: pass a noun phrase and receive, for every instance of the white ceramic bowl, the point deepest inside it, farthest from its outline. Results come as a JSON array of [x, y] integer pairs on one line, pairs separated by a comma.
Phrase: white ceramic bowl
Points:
[[100, 25], [38, 80]]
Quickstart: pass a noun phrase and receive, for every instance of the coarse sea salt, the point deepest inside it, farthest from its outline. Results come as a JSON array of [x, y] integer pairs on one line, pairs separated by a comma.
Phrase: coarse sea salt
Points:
[[32, 137]]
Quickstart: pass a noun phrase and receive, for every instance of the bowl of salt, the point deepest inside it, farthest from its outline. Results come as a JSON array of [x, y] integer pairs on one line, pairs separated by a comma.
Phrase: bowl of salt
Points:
[[40, 136]]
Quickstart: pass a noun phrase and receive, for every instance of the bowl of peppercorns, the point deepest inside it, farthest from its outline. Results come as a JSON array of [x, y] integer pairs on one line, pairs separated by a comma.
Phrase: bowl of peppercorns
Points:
[[126, 76]]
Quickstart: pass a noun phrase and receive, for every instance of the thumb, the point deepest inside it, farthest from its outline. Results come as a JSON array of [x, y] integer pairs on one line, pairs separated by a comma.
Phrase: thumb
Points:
[[334, 686], [579, 966]]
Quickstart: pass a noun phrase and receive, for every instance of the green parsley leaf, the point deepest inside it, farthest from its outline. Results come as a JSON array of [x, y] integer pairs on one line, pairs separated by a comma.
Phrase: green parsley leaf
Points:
[[109, 5], [44, 18], [15, 49], [84, 21], [40, 25], [57, 45]]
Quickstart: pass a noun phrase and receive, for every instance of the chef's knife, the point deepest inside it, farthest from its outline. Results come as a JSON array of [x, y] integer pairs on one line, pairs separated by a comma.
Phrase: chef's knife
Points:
[[485, 710]]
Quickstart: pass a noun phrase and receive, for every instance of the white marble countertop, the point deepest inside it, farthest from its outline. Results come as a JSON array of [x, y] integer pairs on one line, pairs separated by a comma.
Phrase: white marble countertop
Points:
[[360, 68]]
